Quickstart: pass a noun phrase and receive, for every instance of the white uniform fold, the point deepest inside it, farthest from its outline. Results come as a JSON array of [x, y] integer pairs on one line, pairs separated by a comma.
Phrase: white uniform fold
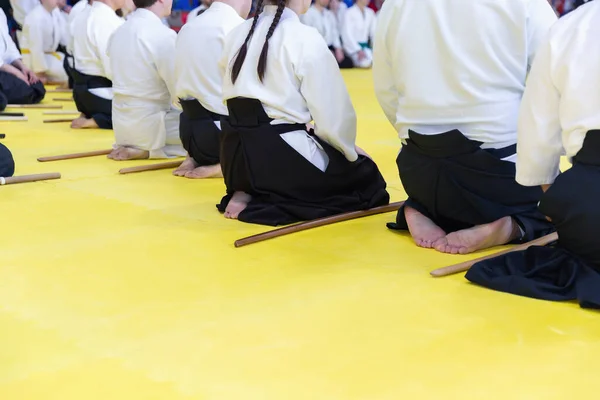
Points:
[[194, 13], [142, 56], [359, 28], [562, 99], [43, 31], [76, 11], [197, 61], [325, 22], [468, 73], [8, 50], [302, 83]]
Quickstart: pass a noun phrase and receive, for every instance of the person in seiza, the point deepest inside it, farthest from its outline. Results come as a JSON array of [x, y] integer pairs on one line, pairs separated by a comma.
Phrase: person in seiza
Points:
[[358, 31], [142, 58], [18, 84], [323, 20], [199, 85], [559, 116], [280, 75], [44, 31], [449, 76], [91, 72]]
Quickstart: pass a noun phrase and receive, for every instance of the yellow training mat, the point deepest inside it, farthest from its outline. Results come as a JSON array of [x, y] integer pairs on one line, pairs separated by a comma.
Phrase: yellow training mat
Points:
[[128, 287]]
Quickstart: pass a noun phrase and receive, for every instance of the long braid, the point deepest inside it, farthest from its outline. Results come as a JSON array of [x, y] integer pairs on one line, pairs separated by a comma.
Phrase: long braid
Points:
[[262, 61], [243, 51]]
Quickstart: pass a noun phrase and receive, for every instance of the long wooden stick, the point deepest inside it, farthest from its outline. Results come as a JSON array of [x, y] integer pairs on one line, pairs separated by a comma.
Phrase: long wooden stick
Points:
[[62, 112], [50, 121], [29, 178], [286, 230], [465, 266], [13, 118], [39, 106], [75, 155], [71, 99], [150, 167], [59, 91], [9, 114]]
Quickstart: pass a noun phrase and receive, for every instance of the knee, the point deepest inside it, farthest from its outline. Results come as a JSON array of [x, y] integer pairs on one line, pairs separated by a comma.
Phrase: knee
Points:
[[7, 163]]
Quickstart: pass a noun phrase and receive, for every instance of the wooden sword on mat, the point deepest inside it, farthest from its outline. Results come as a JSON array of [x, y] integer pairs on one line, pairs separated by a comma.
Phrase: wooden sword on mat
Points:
[[150, 167], [29, 178], [75, 155], [465, 266], [35, 106], [303, 226]]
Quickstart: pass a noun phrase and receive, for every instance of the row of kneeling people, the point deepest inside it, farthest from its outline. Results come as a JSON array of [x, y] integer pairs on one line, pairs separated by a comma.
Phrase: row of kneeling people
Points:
[[450, 77]]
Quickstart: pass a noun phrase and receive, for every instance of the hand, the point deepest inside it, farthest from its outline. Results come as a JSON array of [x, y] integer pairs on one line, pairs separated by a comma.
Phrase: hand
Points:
[[31, 76], [14, 71], [42, 77], [546, 187], [339, 55], [310, 126], [362, 55]]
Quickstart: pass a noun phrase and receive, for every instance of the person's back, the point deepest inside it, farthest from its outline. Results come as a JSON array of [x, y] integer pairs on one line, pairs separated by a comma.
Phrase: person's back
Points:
[[142, 58], [449, 75], [141, 54], [199, 85], [459, 64], [559, 116]]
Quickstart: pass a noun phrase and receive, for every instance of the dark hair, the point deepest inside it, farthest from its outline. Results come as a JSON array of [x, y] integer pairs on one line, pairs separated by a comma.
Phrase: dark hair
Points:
[[243, 51], [144, 3]]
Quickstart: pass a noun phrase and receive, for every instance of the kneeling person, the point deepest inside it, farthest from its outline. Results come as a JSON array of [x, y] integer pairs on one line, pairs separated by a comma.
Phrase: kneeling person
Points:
[[91, 72], [453, 96], [199, 85], [281, 75], [7, 163], [142, 57]]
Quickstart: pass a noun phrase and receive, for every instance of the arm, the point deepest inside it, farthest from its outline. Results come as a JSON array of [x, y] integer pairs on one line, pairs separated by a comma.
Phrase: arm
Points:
[[539, 144], [102, 37], [324, 90], [383, 71], [541, 17], [164, 59], [337, 43], [373, 27]]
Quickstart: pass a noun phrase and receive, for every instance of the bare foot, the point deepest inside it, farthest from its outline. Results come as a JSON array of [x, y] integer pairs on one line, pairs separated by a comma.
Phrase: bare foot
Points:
[[209, 171], [237, 204], [188, 165], [423, 230], [84, 123], [479, 237], [128, 153]]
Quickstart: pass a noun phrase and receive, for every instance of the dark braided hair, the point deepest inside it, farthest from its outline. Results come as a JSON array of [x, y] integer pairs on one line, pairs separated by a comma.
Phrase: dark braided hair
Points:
[[262, 61], [242, 52]]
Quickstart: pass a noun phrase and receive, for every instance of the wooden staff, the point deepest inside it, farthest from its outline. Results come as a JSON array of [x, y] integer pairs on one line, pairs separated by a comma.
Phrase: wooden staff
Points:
[[39, 106], [286, 230], [71, 99], [59, 91], [465, 266], [150, 167], [2, 118], [62, 112], [29, 178], [9, 114], [50, 121], [75, 155]]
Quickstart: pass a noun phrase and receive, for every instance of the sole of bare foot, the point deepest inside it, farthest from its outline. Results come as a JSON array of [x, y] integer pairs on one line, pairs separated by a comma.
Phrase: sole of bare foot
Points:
[[128, 153], [210, 171], [187, 166], [84, 123], [237, 204], [423, 230], [480, 237]]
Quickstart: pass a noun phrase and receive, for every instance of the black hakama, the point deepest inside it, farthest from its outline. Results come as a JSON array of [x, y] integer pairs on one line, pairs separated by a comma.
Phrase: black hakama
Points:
[[200, 137], [458, 185], [7, 163], [285, 187], [14, 91], [346, 63], [89, 104], [571, 269], [67, 64]]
